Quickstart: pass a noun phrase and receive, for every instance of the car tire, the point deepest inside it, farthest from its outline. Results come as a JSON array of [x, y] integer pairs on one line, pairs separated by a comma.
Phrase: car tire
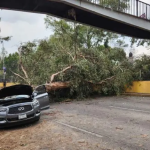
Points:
[[37, 119]]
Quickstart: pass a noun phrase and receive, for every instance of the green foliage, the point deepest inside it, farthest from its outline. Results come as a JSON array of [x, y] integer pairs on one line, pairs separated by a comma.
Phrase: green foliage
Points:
[[8, 38], [139, 42], [94, 66], [118, 5], [87, 50], [142, 69], [11, 63]]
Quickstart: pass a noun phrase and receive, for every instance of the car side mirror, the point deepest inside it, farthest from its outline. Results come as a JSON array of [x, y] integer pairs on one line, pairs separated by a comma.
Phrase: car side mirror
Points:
[[35, 94]]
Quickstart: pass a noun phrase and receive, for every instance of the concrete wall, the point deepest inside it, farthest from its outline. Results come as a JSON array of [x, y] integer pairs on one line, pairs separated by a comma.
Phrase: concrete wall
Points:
[[7, 84], [142, 87]]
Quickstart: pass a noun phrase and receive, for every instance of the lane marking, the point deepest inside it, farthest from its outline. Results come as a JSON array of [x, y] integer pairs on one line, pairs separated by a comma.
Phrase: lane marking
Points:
[[129, 109], [79, 129]]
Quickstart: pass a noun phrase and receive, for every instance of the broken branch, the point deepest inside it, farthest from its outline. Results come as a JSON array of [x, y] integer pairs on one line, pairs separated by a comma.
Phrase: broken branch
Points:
[[20, 77], [53, 75]]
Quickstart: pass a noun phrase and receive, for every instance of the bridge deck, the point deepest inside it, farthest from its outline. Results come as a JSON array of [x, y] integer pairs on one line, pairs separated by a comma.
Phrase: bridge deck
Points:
[[91, 13], [133, 7]]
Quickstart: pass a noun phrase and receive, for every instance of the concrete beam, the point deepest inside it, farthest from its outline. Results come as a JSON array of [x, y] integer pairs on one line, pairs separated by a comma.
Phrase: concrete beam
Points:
[[108, 13], [86, 13]]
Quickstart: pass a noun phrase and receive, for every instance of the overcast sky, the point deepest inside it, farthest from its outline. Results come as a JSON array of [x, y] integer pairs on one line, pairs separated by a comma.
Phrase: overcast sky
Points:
[[23, 27], [146, 1]]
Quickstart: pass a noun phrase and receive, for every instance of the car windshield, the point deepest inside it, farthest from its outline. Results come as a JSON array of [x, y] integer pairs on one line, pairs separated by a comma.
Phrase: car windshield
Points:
[[17, 97]]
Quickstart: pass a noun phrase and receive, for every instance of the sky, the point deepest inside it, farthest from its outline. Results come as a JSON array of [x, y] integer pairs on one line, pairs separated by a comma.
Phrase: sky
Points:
[[146, 1], [23, 27], [138, 52]]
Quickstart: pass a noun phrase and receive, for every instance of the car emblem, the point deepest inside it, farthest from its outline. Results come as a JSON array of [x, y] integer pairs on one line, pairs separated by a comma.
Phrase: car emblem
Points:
[[21, 108]]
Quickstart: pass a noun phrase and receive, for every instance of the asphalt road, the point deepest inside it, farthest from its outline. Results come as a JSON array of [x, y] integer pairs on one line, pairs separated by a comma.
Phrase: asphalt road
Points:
[[118, 123], [105, 123]]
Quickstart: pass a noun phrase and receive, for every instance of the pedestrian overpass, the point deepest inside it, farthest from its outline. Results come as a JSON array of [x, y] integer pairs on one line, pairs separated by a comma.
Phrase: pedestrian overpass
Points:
[[132, 20]]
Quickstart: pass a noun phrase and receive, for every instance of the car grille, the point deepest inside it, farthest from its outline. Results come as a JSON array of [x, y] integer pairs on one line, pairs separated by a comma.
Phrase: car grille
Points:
[[30, 116], [2, 119], [16, 118], [12, 119], [20, 109]]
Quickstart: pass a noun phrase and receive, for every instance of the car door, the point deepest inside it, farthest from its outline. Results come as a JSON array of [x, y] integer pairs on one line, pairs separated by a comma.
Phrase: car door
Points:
[[42, 96]]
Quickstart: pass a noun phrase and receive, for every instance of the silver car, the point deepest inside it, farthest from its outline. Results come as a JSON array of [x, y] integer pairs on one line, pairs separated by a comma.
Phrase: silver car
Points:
[[20, 105]]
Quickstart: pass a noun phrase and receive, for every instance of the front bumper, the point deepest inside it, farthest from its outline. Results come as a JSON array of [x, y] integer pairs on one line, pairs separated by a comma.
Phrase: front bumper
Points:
[[13, 119], [22, 122]]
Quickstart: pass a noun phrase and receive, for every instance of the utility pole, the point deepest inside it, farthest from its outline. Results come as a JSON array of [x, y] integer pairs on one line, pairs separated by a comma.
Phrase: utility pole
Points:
[[3, 59]]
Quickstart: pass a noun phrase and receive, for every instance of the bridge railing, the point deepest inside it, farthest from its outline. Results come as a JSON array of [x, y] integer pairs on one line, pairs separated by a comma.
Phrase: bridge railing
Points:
[[133, 7]]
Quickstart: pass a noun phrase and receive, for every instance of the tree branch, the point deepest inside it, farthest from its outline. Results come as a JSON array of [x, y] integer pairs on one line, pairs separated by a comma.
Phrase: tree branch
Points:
[[106, 80], [24, 71], [20, 77], [67, 52], [103, 81], [53, 75], [22, 67]]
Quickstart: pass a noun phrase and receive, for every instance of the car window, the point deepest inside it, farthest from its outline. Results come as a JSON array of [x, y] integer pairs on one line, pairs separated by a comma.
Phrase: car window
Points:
[[40, 90]]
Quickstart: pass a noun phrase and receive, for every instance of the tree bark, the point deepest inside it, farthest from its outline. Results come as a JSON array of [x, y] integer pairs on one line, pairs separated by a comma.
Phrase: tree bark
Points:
[[53, 75], [56, 86]]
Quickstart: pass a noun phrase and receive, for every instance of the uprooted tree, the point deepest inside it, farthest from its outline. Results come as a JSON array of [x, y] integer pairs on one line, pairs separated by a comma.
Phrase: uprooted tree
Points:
[[77, 58], [84, 58]]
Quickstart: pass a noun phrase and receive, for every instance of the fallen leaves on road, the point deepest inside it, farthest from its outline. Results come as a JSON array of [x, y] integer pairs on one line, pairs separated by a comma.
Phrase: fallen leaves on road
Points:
[[118, 128], [51, 113], [43, 135], [140, 145], [144, 135], [81, 141]]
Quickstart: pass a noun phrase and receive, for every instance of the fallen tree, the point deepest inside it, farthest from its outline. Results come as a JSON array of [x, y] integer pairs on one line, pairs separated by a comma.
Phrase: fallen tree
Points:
[[77, 72], [56, 86]]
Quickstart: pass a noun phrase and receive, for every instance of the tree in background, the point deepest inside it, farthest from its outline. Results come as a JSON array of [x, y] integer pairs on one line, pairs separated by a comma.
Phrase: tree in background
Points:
[[142, 68], [119, 5], [11, 63], [139, 42], [3, 54]]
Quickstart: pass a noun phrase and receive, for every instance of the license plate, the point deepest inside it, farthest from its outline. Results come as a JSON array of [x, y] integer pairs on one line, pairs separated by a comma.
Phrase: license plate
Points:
[[22, 116]]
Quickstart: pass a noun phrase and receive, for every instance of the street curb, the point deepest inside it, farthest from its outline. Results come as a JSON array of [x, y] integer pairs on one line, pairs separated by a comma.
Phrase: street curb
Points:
[[137, 94]]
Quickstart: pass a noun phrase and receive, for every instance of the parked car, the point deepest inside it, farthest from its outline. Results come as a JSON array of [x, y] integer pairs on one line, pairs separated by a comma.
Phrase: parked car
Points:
[[20, 105], [42, 96]]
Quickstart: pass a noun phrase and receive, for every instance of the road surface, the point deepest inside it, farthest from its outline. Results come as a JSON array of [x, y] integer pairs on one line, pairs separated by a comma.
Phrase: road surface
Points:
[[104, 123]]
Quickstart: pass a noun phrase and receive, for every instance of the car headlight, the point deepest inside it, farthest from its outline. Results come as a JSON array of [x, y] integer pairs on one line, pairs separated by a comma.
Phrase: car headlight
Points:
[[36, 103], [3, 109]]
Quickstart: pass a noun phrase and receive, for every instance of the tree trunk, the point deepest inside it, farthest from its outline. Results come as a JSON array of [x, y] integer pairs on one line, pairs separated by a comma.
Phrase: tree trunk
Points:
[[56, 86]]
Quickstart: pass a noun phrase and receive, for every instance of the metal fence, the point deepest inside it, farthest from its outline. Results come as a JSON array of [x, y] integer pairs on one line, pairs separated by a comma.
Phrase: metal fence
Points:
[[133, 7]]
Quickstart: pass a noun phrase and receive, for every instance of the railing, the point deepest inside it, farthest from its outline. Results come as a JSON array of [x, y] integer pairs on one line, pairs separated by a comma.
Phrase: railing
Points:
[[132, 7]]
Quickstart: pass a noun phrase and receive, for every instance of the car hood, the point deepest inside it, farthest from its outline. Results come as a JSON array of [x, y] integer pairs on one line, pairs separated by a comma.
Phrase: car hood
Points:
[[16, 90]]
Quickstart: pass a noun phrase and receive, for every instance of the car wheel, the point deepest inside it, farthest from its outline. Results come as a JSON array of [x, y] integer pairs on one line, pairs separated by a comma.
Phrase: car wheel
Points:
[[37, 119]]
